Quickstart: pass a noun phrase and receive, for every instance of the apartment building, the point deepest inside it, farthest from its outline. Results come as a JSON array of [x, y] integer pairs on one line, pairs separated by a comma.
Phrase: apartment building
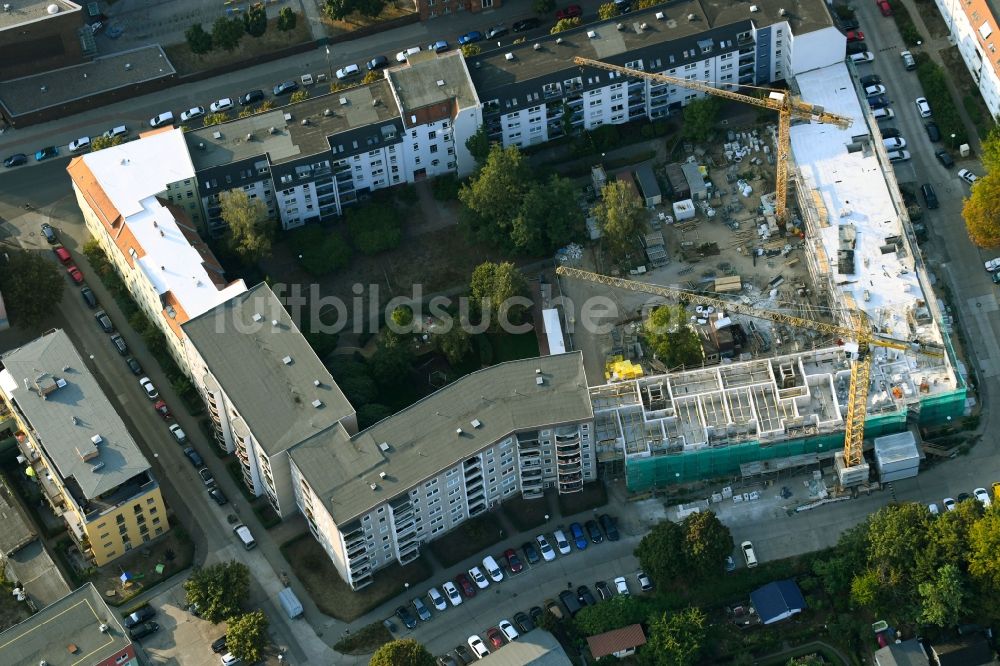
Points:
[[77, 629], [533, 93], [516, 428], [40, 35], [973, 26], [265, 388], [75, 446], [429, 9], [139, 201]]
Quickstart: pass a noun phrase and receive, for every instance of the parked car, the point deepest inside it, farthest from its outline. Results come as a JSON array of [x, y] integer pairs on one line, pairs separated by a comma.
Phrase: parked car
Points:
[[855, 36], [570, 601], [898, 155], [968, 176], [594, 531], [543, 546], [440, 46], [561, 543], [62, 254], [147, 386], [895, 143], [496, 31], [933, 132], [88, 297], [923, 107], [536, 613], [525, 25], [50, 234], [870, 80], [524, 622], [219, 644], [162, 119], [478, 647], [874, 89], [571, 11], [509, 632], [944, 157], [79, 145], [134, 366], [405, 54], [206, 476], [730, 564], [983, 496], [909, 62], [949, 504], [514, 564], [609, 527], [856, 47], [849, 24], [437, 600], [251, 97], [476, 574], [645, 584], [930, 196], [890, 133], [104, 321], [878, 102], [933, 509], [192, 113], [143, 630], [579, 537], [423, 612], [75, 274], [883, 114], [406, 617], [463, 653], [859, 58], [748, 554], [452, 593], [603, 591], [470, 37], [46, 153], [221, 105], [139, 616], [17, 159], [584, 596], [621, 586], [194, 457], [285, 88], [348, 72], [530, 552], [230, 659], [118, 342], [217, 495], [378, 62], [463, 582], [884, 7]]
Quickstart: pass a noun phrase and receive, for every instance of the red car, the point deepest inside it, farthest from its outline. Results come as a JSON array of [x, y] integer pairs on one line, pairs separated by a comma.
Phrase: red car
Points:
[[495, 637], [75, 274], [855, 36], [464, 584], [513, 561], [572, 11], [162, 409], [62, 254], [884, 7]]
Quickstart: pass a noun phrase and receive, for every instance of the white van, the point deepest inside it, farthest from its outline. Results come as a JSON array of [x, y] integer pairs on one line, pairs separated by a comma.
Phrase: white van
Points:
[[748, 554], [492, 569], [165, 118], [243, 532]]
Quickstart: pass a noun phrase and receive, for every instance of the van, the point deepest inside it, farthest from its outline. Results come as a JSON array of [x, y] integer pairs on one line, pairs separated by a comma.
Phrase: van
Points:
[[119, 344], [492, 569], [748, 554], [243, 532], [165, 118], [930, 198]]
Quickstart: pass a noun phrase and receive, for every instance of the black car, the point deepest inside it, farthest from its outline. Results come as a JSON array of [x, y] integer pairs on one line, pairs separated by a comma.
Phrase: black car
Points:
[[194, 457], [143, 630], [248, 98], [891, 133], [584, 596], [118, 342], [523, 622], [526, 24], [603, 590], [870, 80], [88, 297], [852, 48], [531, 553], [536, 614], [963, 496], [138, 617], [219, 644], [17, 159], [571, 602], [464, 654], [930, 196], [878, 102], [378, 62], [849, 24], [134, 366], [217, 495], [285, 88], [406, 617], [594, 531], [104, 321], [933, 133], [609, 527], [944, 158]]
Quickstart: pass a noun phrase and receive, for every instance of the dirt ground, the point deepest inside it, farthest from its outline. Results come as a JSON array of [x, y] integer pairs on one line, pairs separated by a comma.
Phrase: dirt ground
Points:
[[272, 40], [393, 10]]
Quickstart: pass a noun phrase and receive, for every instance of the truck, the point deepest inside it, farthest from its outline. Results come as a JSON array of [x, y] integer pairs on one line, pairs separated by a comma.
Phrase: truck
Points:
[[290, 602]]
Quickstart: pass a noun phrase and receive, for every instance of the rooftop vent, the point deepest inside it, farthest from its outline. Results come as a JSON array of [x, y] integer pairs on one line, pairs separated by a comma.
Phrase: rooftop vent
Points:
[[216, 135], [103, 628], [317, 403], [591, 34], [287, 360], [249, 136], [459, 431], [288, 117], [540, 381], [440, 82], [96, 439], [376, 101], [620, 26], [317, 383], [76, 421], [476, 423], [274, 323], [52, 9], [384, 447], [643, 26], [343, 101], [536, 46], [508, 56], [754, 8], [98, 467], [382, 475], [660, 16], [373, 486], [128, 66], [304, 122], [257, 317]]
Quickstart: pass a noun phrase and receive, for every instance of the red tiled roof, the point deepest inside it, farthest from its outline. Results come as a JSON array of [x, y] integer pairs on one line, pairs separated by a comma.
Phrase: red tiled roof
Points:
[[610, 642]]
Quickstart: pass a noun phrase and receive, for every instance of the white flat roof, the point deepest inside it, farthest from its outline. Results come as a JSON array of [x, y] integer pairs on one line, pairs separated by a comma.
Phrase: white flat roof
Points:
[[553, 331], [854, 191]]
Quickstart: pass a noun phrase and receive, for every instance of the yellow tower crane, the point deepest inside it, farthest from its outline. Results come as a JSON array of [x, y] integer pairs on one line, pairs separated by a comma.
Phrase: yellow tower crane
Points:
[[777, 100], [860, 331]]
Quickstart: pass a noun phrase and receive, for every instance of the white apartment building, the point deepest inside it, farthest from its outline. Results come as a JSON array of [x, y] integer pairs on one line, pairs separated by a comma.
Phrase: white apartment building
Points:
[[973, 26], [265, 388], [135, 199], [515, 428]]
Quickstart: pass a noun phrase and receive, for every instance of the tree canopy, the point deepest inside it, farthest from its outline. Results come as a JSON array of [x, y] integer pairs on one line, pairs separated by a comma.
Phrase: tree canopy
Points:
[[287, 19], [246, 636], [32, 286], [620, 216], [250, 229], [566, 24], [707, 542], [672, 553], [255, 20], [219, 590], [403, 652], [198, 40], [608, 10], [617, 612], [479, 145], [493, 286], [341, 9], [375, 227], [661, 553], [677, 639], [671, 338], [981, 210], [227, 32], [700, 116], [455, 343]]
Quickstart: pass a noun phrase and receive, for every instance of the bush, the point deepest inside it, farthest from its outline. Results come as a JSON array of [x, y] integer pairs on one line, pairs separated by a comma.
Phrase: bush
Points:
[[934, 82], [320, 252], [904, 22], [375, 228], [445, 188], [198, 40], [299, 96], [407, 194], [286, 19]]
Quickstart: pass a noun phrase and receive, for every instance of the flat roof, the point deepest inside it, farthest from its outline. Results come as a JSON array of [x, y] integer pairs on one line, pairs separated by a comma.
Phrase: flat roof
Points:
[[106, 73], [539, 648], [17, 529], [292, 131], [71, 415], [267, 369], [431, 78], [67, 632], [423, 439], [28, 11]]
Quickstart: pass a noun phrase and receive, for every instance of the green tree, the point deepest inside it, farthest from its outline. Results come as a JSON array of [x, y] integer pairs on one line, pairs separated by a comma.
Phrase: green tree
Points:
[[807, 660], [353, 379], [479, 145], [549, 217], [390, 364], [677, 639], [219, 590], [375, 227], [404, 652], [847, 558], [320, 252], [990, 151], [372, 413], [493, 198], [948, 540], [455, 343], [215, 119], [897, 534], [493, 286], [199, 41], [227, 33], [661, 553], [298, 96], [617, 612], [984, 544], [700, 116], [943, 598], [620, 215], [402, 316], [246, 636], [644, 4], [566, 24], [981, 211], [543, 6], [707, 542], [31, 285], [101, 142], [250, 229], [338, 10], [671, 338], [608, 10], [369, 8], [469, 50], [371, 76], [286, 19], [255, 20]]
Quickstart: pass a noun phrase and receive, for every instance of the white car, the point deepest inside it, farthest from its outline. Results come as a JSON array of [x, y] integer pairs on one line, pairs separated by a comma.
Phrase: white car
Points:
[[621, 586], [561, 543], [933, 508], [508, 630], [403, 56], [436, 599], [221, 105], [478, 647], [178, 434], [877, 89], [121, 130], [967, 176], [858, 58], [644, 582], [748, 554], [949, 504], [543, 546], [192, 113], [983, 496], [476, 574], [493, 569], [993, 264], [923, 107], [453, 595], [230, 659], [883, 114], [148, 387], [895, 143], [77, 145], [348, 71], [898, 155]]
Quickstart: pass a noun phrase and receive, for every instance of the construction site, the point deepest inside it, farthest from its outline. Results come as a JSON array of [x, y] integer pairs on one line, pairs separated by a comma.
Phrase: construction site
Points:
[[789, 243]]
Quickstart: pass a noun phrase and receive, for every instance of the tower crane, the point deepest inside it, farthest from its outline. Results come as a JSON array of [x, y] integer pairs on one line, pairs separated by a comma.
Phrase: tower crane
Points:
[[781, 101], [860, 331]]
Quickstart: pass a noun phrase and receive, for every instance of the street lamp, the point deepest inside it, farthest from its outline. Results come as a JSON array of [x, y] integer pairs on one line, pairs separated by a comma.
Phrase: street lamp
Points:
[[329, 67], [546, 517], [953, 141]]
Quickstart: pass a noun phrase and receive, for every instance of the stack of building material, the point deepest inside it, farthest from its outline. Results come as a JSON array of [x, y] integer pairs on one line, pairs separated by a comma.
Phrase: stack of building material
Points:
[[684, 210], [655, 250], [897, 456], [726, 285]]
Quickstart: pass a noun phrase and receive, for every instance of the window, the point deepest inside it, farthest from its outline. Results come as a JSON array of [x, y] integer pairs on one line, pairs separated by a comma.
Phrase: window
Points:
[[434, 148], [432, 135], [119, 519]]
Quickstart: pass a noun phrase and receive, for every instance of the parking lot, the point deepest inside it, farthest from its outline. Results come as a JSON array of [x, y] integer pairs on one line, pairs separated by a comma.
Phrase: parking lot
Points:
[[182, 638]]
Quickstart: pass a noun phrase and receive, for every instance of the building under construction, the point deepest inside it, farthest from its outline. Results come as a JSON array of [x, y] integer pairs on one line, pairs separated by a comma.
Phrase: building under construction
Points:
[[755, 414]]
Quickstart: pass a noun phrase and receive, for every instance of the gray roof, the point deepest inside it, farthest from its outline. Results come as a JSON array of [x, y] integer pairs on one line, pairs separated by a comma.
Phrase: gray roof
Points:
[[28, 11], [422, 439], [539, 648], [432, 78], [248, 358], [74, 620], [17, 531], [907, 653], [68, 418]]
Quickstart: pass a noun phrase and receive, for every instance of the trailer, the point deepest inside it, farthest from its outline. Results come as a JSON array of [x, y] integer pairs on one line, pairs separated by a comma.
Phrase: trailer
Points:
[[290, 602]]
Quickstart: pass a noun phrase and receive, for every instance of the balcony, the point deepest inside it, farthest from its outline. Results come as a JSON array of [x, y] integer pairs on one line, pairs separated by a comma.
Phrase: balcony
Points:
[[564, 463], [477, 508], [570, 487]]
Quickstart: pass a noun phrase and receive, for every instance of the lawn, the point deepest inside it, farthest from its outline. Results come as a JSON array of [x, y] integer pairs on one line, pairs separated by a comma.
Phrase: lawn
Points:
[[249, 49], [467, 539], [335, 597], [365, 641], [508, 347], [525, 514], [592, 496]]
